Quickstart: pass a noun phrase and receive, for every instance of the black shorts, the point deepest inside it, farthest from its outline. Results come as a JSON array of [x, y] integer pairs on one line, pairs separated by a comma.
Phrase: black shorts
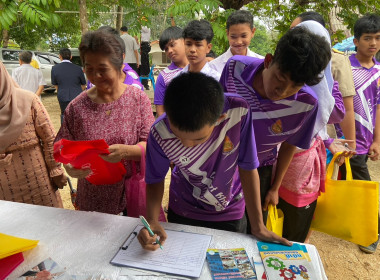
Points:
[[265, 174], [297, 220], [234, 225], [359, 168]]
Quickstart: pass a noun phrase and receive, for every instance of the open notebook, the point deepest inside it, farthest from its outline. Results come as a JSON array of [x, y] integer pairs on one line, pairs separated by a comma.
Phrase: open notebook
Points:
[[184, 253]]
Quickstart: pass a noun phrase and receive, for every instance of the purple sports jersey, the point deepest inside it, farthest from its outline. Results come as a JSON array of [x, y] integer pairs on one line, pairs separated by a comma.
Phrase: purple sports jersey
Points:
[[163, 81], [291, 119], [367, 83], [204, 183]]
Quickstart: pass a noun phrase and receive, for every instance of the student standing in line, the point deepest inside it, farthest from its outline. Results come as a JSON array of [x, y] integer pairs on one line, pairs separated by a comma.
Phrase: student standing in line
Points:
[[366, 73], [305, 176], [28, 77], [172, 42], [284, 109], [209, 137], [198, 35], [240, 32]]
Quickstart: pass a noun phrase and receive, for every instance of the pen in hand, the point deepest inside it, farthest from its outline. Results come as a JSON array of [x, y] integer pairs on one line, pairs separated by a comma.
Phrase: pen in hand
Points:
[[147, 226]]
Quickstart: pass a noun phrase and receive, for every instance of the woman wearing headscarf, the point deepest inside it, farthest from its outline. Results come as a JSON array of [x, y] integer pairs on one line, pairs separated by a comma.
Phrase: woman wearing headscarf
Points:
[[305, 176], [28, 171]]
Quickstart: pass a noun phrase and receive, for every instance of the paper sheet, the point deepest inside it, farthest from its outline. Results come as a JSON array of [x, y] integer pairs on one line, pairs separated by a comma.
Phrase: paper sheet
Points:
[[184, 254]]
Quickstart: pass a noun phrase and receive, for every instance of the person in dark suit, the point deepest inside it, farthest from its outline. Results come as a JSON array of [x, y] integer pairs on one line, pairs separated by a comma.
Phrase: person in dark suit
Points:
[[68, 79]]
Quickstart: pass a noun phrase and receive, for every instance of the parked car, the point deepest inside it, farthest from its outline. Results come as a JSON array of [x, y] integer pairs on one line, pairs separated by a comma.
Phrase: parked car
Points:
[[45, 60]]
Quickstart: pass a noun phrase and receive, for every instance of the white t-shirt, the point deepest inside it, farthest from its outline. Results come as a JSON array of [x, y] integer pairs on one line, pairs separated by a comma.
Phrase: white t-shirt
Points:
[[130, 48], [28, 77], [207, 70], [219, 62]]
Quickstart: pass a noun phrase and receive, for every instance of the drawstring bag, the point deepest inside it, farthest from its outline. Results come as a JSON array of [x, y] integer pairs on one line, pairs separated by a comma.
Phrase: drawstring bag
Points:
[[348, 209], [275, 219], [135, 190]]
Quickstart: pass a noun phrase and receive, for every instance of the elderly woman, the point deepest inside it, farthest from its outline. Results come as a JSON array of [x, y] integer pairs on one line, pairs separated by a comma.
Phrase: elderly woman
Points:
[[28, 171], [111, 110], [128, 75]]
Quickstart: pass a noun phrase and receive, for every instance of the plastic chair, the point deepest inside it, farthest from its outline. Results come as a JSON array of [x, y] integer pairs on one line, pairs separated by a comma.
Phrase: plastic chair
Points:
[[149, 77]]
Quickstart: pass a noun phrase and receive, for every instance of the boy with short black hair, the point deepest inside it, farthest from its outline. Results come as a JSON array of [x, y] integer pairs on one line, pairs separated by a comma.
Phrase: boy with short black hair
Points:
[[240, 31], [209, 137], [366, 74], [172, 42], [198, 35], [284, 110]]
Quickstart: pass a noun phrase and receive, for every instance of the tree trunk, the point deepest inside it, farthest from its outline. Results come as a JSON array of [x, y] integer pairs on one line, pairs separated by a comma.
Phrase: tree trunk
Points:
[[119, 17], [83, 19], [5, 38]]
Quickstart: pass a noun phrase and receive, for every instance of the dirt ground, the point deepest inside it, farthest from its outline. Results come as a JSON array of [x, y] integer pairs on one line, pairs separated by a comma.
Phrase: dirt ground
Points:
[[341, 259]]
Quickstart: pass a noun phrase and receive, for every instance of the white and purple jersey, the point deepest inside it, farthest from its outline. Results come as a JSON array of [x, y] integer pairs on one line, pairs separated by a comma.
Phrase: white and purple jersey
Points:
[[205, 184], [163, 80], [367, 86], [291, 119]]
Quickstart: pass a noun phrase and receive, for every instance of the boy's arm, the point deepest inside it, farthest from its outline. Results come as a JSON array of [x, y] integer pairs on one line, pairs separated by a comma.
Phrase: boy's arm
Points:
[[348, 123], [251, 187], [154, 194], [285, 156], [374, 149]]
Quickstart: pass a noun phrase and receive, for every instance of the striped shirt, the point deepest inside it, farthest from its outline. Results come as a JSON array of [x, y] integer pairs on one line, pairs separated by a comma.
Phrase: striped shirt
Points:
[[367, 83], [291, 119], [163, 81], [205, 184]]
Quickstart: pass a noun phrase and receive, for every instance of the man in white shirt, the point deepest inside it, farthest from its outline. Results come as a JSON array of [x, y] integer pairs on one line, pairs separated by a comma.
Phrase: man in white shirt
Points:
[[131, 47], [240, 32], [28, 77]]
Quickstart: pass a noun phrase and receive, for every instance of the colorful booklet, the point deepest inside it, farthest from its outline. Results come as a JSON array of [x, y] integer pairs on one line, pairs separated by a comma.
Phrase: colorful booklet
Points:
[[284, 262], [230, 264], [47, 269]]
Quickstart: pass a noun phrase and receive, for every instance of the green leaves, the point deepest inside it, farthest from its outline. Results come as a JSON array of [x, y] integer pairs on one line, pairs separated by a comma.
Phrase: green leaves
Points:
[[8, 14]]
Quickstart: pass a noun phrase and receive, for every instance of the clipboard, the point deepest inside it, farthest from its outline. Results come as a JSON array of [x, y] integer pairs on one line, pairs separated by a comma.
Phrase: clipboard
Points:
[[184, 253]]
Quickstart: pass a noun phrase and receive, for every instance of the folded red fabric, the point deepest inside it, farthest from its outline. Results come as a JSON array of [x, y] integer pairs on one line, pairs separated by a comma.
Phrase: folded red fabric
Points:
[[85, 154]]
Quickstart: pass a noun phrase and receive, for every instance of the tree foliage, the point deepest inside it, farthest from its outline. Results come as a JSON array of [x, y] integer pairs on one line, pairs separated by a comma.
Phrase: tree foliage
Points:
[[31, 12]]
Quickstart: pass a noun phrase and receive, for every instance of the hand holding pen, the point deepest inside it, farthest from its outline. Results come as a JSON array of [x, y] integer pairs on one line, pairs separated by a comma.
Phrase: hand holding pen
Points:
[[148, 236]]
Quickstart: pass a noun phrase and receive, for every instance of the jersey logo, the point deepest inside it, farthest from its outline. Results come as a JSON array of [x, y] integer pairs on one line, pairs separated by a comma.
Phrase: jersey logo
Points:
[[276, 128], [184, 160], [228, 146]]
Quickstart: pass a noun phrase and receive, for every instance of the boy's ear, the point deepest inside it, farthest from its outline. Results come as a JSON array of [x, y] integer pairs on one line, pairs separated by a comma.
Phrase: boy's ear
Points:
[[356, 42], [209, 47], [268, 60], [253, 31]]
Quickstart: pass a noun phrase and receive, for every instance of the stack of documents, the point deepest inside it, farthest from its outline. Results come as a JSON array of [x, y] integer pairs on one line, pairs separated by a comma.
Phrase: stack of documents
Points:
[[11, 249]]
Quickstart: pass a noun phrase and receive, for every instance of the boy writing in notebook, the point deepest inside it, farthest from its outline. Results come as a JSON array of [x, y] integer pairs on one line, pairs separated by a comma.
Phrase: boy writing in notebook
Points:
[[240, 32], [172, 42], [198, 35], [284, 109], [209, 137]]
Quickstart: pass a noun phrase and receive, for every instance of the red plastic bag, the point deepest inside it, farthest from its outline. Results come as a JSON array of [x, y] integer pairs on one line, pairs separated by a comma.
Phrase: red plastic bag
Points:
[[85, 154], [135, 190]]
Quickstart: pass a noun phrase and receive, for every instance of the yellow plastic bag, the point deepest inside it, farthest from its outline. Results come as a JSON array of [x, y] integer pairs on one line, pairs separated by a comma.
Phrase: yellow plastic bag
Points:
[[275, 219], [348, 209]]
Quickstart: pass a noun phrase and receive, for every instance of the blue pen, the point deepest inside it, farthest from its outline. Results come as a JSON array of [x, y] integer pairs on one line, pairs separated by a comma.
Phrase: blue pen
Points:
[[147, 226]]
